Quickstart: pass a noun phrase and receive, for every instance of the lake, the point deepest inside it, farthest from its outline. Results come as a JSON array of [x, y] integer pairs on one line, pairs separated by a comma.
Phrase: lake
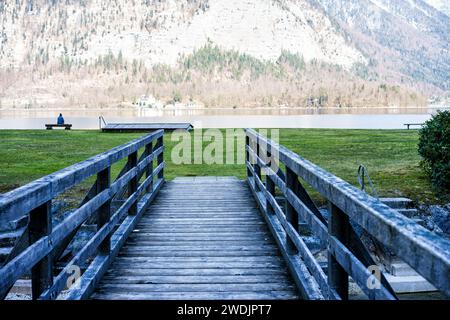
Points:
[[342, 118]]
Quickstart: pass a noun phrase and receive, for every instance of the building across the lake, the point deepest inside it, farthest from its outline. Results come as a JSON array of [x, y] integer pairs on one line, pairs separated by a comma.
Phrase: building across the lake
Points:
[[149, 101]]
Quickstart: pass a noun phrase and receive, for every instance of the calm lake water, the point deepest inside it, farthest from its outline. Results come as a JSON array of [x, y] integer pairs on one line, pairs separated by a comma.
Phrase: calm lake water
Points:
[[364, 118]]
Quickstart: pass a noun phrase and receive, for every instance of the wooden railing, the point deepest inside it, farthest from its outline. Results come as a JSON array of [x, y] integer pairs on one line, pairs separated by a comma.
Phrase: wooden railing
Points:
[[348, 206], [46, 242]]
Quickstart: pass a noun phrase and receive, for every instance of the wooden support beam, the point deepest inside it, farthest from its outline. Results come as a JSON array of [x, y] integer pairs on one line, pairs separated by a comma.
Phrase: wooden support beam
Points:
[[247, 154], [104, 212], [305, 282], [291, 214], [270, 187], [89, 249], [338, 227], [149, 170], [125, 169], [40, 225], [97, 269], [256, 166], [426, 252], [160, 159], [44, 240], [133, 184], [16, 203]]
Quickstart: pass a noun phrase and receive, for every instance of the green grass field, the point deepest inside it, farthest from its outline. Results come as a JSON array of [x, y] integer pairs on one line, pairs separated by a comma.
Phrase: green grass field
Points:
[[390, 156]]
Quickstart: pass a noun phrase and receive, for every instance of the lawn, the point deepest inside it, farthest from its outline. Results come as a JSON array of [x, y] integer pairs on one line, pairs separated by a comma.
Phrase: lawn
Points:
[[390, 156]]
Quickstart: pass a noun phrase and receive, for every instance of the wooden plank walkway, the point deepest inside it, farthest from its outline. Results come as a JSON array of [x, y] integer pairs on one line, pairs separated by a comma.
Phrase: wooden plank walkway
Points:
[[134, 127], [202, 238]]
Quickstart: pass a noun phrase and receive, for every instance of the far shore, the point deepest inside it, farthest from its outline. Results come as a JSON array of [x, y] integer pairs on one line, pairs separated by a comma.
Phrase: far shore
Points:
[[10, 110]]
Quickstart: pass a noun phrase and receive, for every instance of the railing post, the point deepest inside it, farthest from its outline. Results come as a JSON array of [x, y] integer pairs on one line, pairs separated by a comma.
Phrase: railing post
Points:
[[303, 196], [133, 184], [247, 154], [104, 212], [160, 143], [291, 214], [270, 185], [256, 166], [338, 226], [149, 169], [40, 225]]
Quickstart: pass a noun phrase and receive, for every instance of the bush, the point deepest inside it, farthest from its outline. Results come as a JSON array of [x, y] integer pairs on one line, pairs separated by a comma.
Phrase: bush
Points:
[[177, 97], [434, 147]]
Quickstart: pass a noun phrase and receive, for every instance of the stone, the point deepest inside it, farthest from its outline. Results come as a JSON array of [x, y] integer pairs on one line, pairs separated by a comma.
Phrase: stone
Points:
[[441, 217]]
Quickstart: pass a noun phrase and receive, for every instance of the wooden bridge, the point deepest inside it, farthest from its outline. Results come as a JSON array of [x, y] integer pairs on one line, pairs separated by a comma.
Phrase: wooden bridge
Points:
[[208, 237]]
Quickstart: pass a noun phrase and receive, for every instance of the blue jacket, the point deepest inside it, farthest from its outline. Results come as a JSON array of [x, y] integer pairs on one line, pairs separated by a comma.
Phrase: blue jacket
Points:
[[60, 120]]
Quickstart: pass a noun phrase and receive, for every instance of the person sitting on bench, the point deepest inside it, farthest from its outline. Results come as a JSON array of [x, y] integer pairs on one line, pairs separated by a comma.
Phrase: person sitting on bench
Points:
[[60, 119]]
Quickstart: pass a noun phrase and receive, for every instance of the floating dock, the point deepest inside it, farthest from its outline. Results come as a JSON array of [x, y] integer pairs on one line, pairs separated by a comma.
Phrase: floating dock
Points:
[[133, 127]]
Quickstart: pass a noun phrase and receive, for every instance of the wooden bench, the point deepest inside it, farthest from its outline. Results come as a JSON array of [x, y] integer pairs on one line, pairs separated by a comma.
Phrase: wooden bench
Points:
[[51, 126], [412, 124]]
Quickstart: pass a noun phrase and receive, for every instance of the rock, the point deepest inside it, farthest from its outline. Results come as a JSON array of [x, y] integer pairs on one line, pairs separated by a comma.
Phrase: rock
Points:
[[58, 210], [18, 296], [441, 217], [430, 224], [313, 244]]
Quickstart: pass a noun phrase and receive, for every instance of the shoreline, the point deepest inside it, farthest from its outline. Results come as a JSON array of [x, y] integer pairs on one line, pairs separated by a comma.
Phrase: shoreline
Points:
[[132, 108]]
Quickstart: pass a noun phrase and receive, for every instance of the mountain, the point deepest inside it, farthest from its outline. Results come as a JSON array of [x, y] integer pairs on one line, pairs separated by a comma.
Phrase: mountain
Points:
[[407, 41], [386, 51], [162, 31], [441, 5]]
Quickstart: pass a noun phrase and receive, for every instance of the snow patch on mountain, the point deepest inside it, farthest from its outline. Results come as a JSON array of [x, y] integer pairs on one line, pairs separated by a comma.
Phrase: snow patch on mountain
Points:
[[261, 28], [441, 5]]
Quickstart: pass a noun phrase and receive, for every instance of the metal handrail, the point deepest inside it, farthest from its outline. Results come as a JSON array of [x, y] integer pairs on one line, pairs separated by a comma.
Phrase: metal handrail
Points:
[[362, 174], [100, 120]]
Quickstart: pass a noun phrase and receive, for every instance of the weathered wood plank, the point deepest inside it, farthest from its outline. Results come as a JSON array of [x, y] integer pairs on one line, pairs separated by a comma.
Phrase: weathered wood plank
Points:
[[16, 203], [130, 260], [43, 243], [226, 236], [42, 247], [358, 271], [199, 253], [224, 264], [306, 255], [193, 287], [87, 250], [316, 222], [198, 272], [306, 284], [196, 243], [199, 243], [139, 247], [132, 127], [133, 184], [93, 275], [211, 295], [198, 279], [427, 253], [40, 225], [209, 229], [104, 212], [339, 227]]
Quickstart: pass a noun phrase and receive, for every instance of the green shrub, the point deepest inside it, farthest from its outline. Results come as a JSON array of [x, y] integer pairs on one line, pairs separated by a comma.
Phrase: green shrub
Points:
[[177, 97], [434, 147], [294, 60], [211, 58]]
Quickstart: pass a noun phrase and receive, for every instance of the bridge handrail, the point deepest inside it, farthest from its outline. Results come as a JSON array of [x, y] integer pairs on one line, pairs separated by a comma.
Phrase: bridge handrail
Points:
[[424, 251], [34, 199], [16, 203]]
